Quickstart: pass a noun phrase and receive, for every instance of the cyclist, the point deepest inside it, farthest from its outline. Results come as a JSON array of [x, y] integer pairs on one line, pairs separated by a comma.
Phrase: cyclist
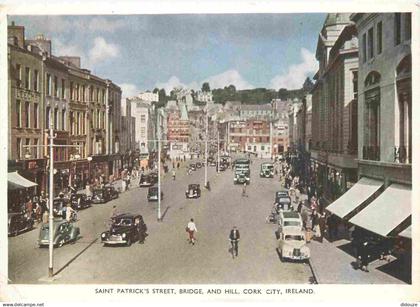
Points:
[[234, 239]]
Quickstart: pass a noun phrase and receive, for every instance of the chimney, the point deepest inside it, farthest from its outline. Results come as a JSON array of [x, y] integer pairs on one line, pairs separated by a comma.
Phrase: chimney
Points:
[[16, 34]]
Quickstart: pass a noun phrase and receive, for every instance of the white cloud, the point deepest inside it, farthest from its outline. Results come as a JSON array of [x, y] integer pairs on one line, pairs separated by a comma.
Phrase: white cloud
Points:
[[61, 48], [296, 73], [227, 78], [128, 90], [170, 84], [217, 81], [101, 50]]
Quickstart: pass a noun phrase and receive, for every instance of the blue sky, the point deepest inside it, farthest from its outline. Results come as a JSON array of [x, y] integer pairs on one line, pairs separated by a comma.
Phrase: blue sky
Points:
[[140, 52]]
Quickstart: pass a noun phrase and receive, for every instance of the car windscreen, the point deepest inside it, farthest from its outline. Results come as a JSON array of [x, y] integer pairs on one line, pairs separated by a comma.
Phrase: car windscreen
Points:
[[294, 238], [123, 222], [292, 223], [284, 200]]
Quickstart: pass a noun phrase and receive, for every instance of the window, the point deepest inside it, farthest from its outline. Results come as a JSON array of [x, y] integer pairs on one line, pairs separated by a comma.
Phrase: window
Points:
[[370, 43], [355, 80], [48, 84], [18, 148], [18, 75], [27, 77], [262, 147], [83, 93], [103, 120], [397, 28], [77, 92], [27, 148], [35, 149], [90, 93], [27, 114], [36, 76], [71, 91], [103, 96], [143, 118], [47, 117], [63, 88], [71, 123], [407, 26], [55, 119], [364, 47], [55, 86], [63, 119], [36, 115], [379, 37], [18, 114]]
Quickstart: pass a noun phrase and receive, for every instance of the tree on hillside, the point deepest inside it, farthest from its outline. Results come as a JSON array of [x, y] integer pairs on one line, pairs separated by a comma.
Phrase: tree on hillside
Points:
[[283, 94], [307, 85], [205, 87]]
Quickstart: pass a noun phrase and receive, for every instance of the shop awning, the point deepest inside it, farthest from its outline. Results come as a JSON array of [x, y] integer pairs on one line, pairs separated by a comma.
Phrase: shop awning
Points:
[[387, 211], [16, 181], [354, 197], [406, 233]]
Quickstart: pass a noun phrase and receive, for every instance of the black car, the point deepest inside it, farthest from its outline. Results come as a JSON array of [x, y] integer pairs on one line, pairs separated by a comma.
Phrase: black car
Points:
[[80, 201], [18, 222], [152, 194], [59, 206], [282, 201], [192, 167], [193, 191], [125, 229], [147, 180], [103, 195]]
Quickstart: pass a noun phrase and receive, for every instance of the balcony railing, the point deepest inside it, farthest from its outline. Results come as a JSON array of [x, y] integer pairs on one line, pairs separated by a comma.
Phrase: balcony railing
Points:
[[371, 153], [402, 154]]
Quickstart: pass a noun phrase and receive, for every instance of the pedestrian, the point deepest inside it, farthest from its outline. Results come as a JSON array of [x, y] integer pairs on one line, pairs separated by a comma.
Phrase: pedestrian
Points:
[[191, 229], [45, 217], [28, 207], [244, 190], [177, 165], [173, 174], [322, 226], [364, 256], [69, 213], [234, 238], [114, 212], [299, 207], [38, 212]]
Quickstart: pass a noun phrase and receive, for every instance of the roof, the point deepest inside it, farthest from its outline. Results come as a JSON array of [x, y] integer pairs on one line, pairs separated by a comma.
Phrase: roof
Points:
[[291, 215], [256, 107], [193, 185], [292, 230], [125, 215]]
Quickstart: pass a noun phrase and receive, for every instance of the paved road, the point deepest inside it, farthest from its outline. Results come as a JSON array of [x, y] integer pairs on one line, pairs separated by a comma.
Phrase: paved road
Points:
[[166, 257]]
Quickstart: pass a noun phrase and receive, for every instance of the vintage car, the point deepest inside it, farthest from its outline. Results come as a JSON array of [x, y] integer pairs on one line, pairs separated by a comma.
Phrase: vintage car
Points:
[[64, 232], [152, 194], [154, 175], [146, 181], [103, 195], [192, 166], [241, 177], [212, 162], [292, 244], [19, 222], [80, 201], [289, 219], [59, 206], [267, 170], [193, 191], [125, 229]]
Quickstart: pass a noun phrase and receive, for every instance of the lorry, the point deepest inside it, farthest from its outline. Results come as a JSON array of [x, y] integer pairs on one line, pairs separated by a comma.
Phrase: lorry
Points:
[[242, 171]]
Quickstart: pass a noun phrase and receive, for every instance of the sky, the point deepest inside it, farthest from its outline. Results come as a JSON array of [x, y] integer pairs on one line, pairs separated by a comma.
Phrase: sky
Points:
[[141, 52]]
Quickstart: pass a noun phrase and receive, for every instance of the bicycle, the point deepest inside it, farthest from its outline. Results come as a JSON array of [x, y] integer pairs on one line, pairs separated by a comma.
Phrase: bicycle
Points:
[[234, 249]]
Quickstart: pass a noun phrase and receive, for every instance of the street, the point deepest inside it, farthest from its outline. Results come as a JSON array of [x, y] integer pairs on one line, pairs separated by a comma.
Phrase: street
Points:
[[166, 256]]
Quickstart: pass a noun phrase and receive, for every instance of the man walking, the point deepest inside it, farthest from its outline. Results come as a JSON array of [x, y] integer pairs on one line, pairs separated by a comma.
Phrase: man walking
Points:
[[234, 237], [173, 174], [244, 190], [191, 229]]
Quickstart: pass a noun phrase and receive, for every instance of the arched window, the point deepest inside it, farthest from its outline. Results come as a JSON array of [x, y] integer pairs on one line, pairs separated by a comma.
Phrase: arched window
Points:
[[402, 151], [371, 148]]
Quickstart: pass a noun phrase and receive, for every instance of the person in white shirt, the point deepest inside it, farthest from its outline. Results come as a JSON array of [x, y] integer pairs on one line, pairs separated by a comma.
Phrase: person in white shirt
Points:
[[69, 211], [191, 229]]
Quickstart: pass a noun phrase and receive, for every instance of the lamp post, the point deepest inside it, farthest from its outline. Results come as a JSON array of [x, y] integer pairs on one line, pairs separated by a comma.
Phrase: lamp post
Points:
[[159, 217], [206, 149]]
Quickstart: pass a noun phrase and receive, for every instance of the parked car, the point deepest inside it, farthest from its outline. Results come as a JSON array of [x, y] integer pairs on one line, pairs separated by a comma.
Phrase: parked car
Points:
[[193, 191], [103, 195], [152, 194], [192, 167], [289, 219], [292, 244], [64, 232], [59, 206], [126, 228], [80, 201], [146, 181], [19, 222]]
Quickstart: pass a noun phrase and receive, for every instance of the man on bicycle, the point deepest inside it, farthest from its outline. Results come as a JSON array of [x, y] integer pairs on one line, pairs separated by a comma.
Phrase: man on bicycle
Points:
[[234, 239]]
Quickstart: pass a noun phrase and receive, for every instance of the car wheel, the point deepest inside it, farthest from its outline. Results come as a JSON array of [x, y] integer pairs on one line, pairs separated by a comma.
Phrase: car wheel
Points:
[[60, 243], [128, 242]]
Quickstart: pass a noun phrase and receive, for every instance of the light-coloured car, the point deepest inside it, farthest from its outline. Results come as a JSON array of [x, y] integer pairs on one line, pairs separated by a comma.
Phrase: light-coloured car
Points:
[[289, 219], [292, 244]]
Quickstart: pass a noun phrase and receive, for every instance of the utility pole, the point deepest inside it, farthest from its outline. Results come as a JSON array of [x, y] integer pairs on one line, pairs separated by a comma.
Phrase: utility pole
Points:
[[51, 205], [271, 139], [218, 151], [206, 149], [159, 218]]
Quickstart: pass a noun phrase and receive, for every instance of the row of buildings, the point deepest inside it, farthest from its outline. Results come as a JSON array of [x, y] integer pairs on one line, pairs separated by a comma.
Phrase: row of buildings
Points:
[[355, 133], [83, 109]]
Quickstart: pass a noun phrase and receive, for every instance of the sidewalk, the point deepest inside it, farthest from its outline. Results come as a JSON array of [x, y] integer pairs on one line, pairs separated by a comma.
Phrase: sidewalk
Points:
[[332, 264]]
